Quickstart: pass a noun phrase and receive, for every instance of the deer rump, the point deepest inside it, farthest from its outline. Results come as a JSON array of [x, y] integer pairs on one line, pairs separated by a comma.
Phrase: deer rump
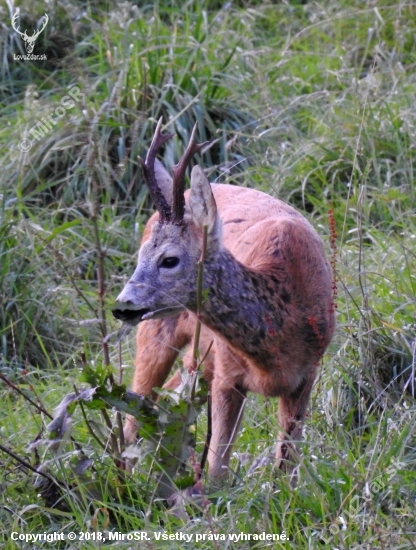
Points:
[[268, 314]]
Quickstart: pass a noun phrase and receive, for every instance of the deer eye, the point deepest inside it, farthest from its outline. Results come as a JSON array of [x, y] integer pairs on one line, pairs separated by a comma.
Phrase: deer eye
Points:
[[169, 262]]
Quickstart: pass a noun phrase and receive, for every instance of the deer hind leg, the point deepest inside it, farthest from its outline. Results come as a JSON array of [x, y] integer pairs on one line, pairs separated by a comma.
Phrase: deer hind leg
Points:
[[158, 344], [291, 415]]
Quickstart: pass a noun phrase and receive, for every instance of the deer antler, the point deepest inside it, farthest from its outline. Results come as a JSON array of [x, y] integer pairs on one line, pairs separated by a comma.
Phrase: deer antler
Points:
[[178, 205], [35, 32], [14, 19], [149, 173], [43, 26], [176, 213]]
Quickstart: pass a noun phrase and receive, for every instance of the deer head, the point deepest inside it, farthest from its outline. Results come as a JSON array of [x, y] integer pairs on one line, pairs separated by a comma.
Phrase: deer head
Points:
[[164, 281], [29, 40]]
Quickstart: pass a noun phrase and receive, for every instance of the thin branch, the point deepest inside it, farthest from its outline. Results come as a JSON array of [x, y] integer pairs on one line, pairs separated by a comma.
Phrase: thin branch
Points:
[[119, 421], [40, 408], [195, 352], [72, 280], [28, 466], [89, 428], [208, 437], [114, 442], [199, 304]]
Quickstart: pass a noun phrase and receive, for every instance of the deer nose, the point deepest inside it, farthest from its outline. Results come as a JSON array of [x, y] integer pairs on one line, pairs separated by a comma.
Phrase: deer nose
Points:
[[128, 315], [128, 304], [126, 295], [128, 312], [131, 292]]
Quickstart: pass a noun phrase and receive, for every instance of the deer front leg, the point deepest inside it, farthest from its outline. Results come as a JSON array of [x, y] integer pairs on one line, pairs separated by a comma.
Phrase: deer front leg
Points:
[[158, 344], [291, 415], [227, 411]]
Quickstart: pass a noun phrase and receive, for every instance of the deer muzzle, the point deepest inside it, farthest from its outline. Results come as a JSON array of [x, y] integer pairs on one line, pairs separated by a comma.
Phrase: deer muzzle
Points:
[[129, 313]]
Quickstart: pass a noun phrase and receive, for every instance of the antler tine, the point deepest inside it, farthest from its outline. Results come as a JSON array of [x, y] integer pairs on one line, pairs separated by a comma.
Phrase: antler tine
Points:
[[178, 205], [14, 21], [45, 22], [148, 166]]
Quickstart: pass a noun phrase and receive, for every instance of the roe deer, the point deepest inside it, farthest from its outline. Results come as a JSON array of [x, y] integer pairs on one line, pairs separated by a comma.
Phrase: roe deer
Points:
[[268, 314]]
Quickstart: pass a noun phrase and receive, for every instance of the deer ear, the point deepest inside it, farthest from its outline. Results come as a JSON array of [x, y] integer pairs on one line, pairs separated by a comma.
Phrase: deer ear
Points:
[[164, 181], [202, 202]]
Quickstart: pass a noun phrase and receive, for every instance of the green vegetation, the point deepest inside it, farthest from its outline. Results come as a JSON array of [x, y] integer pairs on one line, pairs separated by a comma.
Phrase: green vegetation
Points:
[[312, 102]]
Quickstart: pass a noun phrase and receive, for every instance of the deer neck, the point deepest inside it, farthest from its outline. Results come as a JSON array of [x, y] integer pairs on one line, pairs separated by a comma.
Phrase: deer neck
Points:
[[238, 305]]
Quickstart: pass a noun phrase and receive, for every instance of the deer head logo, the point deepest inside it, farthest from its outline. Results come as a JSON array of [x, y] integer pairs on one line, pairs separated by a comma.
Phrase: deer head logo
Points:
[[29, 40]]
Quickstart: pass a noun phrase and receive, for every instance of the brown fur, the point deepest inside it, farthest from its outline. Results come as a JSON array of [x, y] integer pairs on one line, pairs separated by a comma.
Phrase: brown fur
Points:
[[269, 310]]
